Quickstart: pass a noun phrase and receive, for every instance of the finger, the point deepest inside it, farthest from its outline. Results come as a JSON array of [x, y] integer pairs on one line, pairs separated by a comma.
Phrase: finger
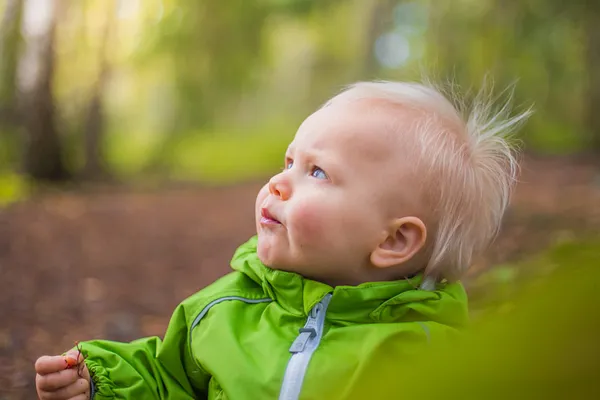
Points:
[[80, 388], [56, 380], [84, 372], [49, 364], [73, 357]]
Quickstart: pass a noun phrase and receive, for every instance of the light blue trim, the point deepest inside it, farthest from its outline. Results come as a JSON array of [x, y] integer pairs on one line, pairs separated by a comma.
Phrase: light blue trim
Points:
[[426, 329], [429, 283], [302, 350], [207, 308]]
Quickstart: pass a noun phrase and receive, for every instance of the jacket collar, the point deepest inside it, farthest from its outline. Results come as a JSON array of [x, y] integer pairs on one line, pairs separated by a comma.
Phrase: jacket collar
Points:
[[393, 301]]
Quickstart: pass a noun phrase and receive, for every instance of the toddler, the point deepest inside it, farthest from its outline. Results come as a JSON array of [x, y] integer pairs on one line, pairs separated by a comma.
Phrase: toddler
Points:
[[386, 194]]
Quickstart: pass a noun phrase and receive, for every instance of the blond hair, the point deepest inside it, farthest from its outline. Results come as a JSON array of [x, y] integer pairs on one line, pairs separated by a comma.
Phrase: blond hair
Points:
[[466, 157]]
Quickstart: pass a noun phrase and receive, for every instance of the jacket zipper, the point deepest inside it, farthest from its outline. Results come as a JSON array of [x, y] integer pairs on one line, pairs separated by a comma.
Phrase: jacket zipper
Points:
[[302, 350]]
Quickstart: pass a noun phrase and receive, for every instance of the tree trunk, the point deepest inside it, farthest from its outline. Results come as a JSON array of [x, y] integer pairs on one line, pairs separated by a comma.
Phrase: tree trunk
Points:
[[10, 39], [95, 168], [42, 154], [592, 33]]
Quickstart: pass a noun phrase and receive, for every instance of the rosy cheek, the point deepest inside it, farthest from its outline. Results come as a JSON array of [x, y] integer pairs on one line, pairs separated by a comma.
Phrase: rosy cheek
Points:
[[309, 223]]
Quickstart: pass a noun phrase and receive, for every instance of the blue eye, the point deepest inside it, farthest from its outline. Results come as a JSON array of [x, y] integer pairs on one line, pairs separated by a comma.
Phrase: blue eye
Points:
[[318, 173], [289, 164]]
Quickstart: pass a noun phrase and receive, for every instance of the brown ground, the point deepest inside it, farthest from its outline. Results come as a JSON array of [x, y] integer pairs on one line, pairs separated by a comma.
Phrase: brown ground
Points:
[[113, 264]]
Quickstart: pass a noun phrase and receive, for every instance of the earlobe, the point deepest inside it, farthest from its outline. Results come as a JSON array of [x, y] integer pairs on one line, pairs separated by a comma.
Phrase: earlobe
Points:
[[404, 239]]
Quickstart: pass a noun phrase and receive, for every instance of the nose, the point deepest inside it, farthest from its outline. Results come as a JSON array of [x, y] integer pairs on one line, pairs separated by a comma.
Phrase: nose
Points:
[[279, 186]]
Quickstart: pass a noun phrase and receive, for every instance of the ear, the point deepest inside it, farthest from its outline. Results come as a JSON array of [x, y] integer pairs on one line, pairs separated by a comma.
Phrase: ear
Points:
[[404, 239]]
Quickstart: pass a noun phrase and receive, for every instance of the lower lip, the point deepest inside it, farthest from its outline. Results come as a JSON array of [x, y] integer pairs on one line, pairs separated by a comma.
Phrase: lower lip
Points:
[[269, 221]]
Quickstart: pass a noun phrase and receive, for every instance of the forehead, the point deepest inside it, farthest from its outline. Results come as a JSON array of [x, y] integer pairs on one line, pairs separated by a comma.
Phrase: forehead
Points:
[[362, 129]]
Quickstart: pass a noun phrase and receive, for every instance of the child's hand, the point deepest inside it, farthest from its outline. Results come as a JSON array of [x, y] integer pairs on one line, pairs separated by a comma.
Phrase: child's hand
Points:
[[62, 377]]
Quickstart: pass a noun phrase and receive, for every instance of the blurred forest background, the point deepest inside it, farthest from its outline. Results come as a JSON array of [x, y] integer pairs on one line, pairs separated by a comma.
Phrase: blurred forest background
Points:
[[135, 134]]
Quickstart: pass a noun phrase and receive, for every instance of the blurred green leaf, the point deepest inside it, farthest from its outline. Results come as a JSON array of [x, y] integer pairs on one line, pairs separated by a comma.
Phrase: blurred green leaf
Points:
[[12, 188], [544, 346]]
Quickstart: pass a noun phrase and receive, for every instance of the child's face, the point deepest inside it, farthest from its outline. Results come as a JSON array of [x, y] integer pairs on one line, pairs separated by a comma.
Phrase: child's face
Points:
[[325, 213]]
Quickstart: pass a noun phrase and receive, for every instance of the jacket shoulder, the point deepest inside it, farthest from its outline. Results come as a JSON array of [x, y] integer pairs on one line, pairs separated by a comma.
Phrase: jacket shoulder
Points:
[[234, 284]]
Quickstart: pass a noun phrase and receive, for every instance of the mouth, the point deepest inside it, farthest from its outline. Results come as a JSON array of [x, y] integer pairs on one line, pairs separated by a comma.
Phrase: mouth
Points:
[[266, 218]]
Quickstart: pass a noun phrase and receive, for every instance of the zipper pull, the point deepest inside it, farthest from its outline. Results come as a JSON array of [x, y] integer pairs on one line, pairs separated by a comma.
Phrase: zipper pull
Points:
[[300, 343], [308, 331]]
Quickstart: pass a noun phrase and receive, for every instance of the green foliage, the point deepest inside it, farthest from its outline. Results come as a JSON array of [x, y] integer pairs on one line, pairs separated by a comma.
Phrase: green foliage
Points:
[[188, 76], [212, 157], [297, 7], [214, 52], [10, 42], [231, 157], [212, 49], [532, 42], [543, 347], [12, 188], [496, 290]]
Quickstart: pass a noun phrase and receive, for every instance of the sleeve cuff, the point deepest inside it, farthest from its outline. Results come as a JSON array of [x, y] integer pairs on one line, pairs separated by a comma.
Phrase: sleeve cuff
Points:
[[100, 385]]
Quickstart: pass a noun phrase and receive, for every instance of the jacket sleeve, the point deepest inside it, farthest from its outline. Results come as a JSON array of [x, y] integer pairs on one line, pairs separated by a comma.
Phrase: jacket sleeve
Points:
[[148, 368]]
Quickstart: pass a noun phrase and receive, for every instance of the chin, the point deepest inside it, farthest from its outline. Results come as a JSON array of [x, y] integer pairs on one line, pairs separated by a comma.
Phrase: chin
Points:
[[266, 253], [272, 259], [274, 252]]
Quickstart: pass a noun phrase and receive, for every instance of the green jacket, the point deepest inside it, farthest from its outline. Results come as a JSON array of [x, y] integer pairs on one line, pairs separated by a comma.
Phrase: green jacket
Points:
[[259, 333]]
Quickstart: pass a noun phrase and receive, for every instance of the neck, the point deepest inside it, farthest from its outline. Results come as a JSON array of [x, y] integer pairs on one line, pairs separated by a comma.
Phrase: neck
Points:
[[370, 273]]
